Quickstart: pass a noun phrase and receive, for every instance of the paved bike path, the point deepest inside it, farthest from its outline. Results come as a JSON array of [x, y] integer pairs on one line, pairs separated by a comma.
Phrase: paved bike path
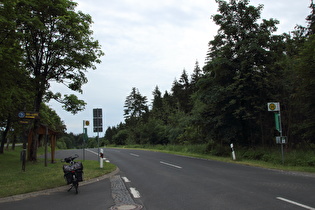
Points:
[[93, 194]]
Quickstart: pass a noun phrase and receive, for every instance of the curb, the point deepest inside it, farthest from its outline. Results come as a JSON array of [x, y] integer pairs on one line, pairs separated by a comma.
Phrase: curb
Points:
[[57, 189]]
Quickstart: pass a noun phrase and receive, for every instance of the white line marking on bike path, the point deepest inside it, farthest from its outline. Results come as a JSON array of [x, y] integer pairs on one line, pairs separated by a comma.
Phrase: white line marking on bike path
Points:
[[134, 155], [135, 193], [125, 179], [170, 164], [295, 203]]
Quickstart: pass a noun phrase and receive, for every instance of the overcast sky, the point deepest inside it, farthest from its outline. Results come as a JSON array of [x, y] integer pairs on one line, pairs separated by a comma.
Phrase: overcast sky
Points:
[[149, 43]]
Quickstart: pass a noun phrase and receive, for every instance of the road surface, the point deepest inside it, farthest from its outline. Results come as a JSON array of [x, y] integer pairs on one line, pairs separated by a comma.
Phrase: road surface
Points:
[[164, 181], [159, 181]]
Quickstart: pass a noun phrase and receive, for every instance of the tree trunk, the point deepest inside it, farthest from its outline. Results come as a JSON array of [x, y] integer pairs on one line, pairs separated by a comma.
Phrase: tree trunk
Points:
[[14, 141], [34, 143], [5, 133]]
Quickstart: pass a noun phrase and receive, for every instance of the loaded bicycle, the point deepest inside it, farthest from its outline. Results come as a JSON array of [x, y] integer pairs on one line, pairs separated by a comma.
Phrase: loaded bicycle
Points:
[[73, 173]]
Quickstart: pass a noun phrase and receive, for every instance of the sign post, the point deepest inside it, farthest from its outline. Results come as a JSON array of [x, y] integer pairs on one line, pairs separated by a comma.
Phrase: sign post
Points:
[[98, 125], [25, 119], [85, 137], [275, 107]]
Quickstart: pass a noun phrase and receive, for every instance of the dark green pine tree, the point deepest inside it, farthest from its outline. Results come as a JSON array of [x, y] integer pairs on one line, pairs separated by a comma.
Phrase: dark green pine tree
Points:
[[236, 84], [311, 19], [135, 105], [196, 75], [305, 84], [181, 91]]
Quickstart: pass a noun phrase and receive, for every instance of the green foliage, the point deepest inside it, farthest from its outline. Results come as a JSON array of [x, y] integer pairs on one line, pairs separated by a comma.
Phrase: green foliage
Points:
[[135, 105], [59, 47], [14, 182], [41, 42], [92, 143], [225, 101], [49, 117], [121, 137], [61, 144]]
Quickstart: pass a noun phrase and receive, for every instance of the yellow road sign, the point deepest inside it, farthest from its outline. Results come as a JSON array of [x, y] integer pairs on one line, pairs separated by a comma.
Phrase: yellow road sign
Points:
[[273, 106]]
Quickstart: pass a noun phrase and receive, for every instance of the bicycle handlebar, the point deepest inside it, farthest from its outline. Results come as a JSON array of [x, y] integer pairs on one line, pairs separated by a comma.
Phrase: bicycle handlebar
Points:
[[69, 159]]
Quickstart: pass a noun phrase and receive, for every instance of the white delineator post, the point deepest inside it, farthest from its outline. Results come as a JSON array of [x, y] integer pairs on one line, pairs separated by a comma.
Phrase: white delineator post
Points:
[[101, 158], [233, 152]]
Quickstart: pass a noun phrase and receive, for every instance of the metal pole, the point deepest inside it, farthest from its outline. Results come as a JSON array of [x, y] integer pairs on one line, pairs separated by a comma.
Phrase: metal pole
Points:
[[83, 149], [280, 130], [98, 143], [24, 151]]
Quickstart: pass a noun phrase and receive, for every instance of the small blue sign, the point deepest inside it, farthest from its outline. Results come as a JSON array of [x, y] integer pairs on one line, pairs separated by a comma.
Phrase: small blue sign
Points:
[[21, 114]]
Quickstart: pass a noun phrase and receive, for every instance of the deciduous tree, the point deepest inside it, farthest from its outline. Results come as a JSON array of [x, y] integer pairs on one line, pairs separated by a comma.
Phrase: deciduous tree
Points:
[[58, 47]]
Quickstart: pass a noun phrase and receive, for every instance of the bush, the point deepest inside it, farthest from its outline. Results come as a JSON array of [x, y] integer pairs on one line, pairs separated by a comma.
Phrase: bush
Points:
[[61, 145], [121, 137]]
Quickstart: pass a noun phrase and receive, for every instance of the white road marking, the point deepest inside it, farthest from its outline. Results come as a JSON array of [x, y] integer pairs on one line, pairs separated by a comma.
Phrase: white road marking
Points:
[[134, 155], [125, 179], [170, 164], [95, 153], [135, 193], [296, 203]]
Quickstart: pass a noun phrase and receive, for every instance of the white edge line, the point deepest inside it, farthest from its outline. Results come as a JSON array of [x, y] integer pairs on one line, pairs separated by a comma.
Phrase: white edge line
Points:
[[170, 164], [296, 203], [95, 153], [135, 193]]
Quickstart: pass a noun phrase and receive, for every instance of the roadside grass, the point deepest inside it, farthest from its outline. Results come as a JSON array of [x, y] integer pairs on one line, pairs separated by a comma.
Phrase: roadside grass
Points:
[[37, 177], [294, 160]]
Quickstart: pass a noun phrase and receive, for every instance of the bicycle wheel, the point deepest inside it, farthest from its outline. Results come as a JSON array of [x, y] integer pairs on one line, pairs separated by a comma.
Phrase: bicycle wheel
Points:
[[76, 186]]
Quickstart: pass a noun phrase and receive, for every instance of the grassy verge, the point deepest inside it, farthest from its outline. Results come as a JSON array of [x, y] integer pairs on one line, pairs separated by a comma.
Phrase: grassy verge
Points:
[[37, 177], [302, 161]]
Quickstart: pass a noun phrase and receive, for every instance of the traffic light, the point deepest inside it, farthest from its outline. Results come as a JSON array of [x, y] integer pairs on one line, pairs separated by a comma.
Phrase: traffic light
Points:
[[86, 122]]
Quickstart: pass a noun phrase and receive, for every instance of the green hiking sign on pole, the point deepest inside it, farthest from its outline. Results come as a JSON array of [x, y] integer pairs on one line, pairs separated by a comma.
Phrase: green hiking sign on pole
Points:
[[277, 122], [85, 136], [275, 107]]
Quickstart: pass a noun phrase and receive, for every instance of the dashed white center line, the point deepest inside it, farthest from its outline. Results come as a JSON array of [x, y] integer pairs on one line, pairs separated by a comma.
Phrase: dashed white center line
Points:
[[134, 155], [296, 203], [169, 164]]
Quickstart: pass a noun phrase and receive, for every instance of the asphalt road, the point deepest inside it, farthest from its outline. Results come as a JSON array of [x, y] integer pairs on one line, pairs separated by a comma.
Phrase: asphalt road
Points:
[[164, 181], [158, 181]]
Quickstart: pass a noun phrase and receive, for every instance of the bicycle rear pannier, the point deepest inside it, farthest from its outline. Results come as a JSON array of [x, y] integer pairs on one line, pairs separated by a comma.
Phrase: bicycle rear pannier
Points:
[[75, 166], [68, 177], [79, 174]]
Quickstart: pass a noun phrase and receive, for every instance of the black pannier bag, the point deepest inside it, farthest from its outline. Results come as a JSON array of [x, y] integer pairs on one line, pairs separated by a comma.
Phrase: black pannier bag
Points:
[[68, 177], [79, 174], [77, 167]]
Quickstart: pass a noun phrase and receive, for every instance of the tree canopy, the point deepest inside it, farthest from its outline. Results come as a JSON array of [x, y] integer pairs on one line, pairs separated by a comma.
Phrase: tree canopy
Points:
[[225, 101], [45, 41]]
